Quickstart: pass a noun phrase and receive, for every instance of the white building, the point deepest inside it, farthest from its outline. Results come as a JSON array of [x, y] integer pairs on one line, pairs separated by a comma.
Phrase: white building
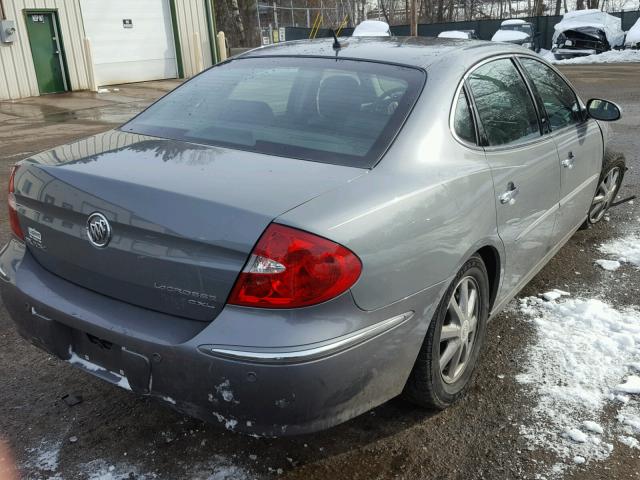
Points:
[[49, 46]]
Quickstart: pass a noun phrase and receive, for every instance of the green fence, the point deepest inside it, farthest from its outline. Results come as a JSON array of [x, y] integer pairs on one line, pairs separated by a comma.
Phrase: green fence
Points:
[[484, 28]]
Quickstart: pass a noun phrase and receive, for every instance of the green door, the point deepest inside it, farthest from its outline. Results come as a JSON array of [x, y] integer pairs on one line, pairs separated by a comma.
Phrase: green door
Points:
[[46, 51]]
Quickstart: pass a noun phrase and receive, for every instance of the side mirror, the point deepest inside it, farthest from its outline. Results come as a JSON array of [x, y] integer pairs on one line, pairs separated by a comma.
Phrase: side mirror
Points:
[[603, 110]]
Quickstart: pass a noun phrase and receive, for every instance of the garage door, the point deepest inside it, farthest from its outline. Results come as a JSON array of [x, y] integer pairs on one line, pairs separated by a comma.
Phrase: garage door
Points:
[[131, 41]]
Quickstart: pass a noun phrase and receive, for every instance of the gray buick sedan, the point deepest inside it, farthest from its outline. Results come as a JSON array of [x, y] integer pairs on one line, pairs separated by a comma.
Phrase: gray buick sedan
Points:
[[303, 232]]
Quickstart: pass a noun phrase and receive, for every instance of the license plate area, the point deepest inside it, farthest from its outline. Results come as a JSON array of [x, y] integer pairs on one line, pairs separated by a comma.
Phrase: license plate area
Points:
[[98, 351]]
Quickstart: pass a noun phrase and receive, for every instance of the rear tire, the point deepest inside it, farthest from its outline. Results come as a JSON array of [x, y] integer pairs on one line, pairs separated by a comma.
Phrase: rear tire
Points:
[[435, 381], [613, 168]]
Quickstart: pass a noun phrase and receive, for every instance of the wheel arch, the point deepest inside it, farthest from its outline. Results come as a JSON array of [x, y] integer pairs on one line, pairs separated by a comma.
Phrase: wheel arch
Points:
[[491, 258]]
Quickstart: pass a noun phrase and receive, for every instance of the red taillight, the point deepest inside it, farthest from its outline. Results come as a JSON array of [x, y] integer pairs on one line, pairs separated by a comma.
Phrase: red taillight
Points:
[[290, 268], [13, 213]]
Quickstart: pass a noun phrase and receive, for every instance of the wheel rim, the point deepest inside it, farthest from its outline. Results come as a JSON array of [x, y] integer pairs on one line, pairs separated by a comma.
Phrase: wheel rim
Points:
[[458, 332], [604, 195]]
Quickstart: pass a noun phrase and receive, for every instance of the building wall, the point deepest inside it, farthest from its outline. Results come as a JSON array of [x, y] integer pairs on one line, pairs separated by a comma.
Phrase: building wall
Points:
[[192, 17], [17, 73]]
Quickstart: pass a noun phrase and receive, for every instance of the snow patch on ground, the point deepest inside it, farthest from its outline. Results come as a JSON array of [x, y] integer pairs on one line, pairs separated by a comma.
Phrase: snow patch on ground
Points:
[[217, 468], [629, 441], [612, 56], [625, 250], [581, 362], [611, 265], [44, 457], [631, 385], [554, 294], [101, 470]]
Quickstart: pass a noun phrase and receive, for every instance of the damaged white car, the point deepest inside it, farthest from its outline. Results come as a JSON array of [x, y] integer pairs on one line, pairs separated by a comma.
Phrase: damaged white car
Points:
[[633, 36], [586, 32]]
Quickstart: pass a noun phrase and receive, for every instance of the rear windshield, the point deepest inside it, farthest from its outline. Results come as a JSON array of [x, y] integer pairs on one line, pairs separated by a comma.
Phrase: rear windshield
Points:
[[518, 27], [325, 110]]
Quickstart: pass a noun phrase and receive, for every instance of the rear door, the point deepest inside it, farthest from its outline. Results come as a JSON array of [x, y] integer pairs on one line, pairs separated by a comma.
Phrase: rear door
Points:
[[579, 143], [524, 165]]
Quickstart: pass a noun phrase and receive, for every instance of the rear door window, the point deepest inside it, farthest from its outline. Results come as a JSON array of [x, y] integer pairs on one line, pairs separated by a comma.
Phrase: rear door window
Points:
[[326, 110], [560, 102], [463, 120], [506, 110]]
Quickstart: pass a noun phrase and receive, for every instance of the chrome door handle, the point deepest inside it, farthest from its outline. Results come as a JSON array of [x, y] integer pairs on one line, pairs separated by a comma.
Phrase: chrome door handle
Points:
[[509, 197], [568, 162]]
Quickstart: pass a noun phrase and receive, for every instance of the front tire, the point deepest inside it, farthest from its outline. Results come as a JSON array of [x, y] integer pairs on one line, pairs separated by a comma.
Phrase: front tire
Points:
[[613, 169], [449, 353]]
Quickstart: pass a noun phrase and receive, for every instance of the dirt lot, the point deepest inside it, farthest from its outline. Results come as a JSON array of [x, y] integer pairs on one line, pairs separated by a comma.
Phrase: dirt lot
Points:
[[113, 434]]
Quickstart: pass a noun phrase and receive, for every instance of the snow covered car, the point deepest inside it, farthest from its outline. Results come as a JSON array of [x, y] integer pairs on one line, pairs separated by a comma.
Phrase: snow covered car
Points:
[[372, 28], [586, 32], [462, 34], [517, 31], [633, 36]]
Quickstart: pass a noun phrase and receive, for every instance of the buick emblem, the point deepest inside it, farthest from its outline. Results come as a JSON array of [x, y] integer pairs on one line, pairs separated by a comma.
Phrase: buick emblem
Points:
[[98, 230]]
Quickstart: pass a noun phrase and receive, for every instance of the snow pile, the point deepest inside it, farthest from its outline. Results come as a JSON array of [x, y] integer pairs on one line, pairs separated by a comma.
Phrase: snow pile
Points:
[[578, 366], [625, 249], [633, 35], [547, 55], [513, 21], [509, 36], [454, 34], [612, 56]]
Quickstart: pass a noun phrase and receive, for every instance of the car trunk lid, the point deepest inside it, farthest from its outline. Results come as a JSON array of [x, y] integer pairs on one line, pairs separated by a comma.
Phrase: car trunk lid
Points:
[[183, 217]]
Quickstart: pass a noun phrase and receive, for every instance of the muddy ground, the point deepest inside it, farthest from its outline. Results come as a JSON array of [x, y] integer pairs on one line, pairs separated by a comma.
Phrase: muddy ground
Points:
[[113, 434]]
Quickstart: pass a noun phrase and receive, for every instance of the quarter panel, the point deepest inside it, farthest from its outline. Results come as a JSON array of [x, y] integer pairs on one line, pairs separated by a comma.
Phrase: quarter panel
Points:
[[415, 216]]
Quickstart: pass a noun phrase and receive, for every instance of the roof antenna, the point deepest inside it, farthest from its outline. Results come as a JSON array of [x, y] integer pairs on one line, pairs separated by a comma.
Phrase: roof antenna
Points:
[[336, 43]]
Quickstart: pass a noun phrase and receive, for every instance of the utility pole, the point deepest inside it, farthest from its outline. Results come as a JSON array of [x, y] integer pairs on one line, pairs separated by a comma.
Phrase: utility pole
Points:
[[413, 21]]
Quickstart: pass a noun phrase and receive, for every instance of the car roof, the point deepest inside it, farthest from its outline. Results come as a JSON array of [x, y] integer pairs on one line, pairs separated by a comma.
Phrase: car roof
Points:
[[421, 52]]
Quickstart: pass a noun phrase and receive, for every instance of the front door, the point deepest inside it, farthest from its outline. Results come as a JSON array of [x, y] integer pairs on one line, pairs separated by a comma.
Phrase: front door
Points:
[[524, 164], [579, 143], [46, 50]]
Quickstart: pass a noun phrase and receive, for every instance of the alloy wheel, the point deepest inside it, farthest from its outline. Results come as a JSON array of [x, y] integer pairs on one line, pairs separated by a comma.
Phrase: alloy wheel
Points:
[[604, 195], [458, 332]]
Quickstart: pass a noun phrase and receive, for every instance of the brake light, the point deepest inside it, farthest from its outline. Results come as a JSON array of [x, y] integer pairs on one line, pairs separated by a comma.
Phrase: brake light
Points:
[[289, 268], [11, 200]]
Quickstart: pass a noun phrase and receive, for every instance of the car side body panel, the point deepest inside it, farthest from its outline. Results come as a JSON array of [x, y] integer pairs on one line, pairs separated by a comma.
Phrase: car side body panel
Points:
[[415, 217]]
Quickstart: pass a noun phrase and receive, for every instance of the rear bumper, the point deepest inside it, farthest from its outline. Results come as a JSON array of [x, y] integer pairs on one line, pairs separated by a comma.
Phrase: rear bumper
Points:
[[202, 369]]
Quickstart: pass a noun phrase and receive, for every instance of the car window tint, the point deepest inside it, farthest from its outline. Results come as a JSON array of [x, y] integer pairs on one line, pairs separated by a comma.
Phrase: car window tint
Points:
[[334, 111], [280, 82], [504, 105], [463, 120], [559, 100]]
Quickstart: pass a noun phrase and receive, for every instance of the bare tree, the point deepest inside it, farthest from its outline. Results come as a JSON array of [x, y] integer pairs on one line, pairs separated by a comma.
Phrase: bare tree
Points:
[[237, 18]]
